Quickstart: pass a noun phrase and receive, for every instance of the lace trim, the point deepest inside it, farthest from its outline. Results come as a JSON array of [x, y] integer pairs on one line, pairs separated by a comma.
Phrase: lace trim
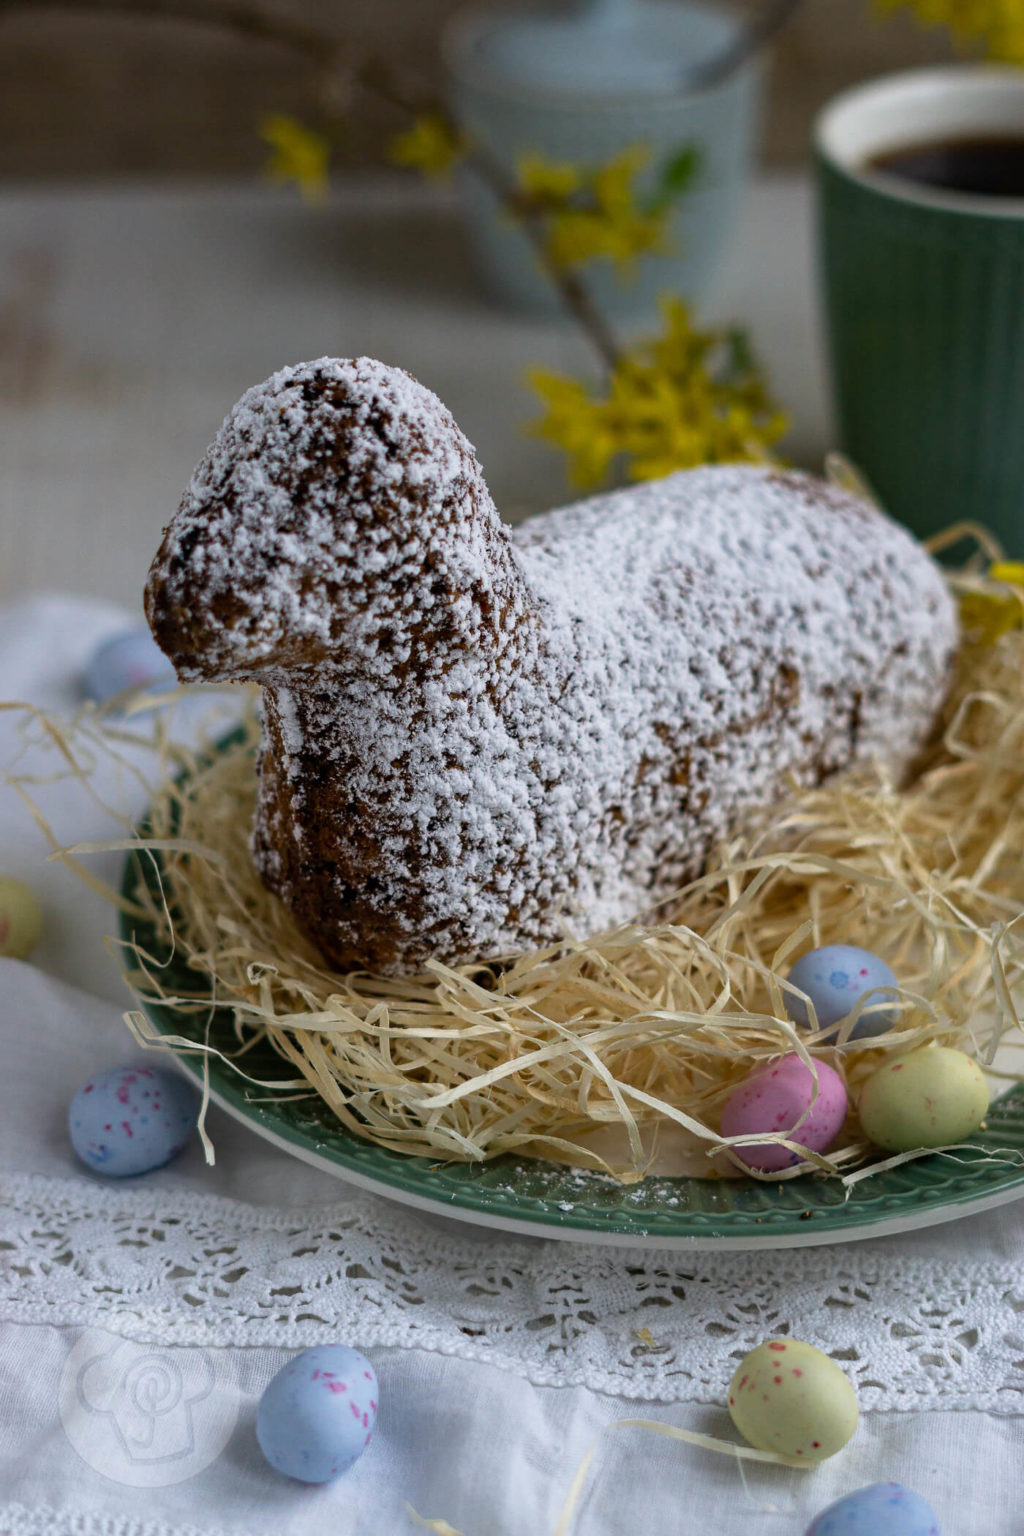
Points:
[[18, 1520], [174, 1267]]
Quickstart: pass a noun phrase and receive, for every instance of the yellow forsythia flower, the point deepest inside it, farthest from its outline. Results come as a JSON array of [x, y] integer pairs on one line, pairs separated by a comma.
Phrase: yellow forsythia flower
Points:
[[575, 422], [682, 398], [994, 614], [998, 25], [432, 145], [593, 211], [299, 154], [548, 181]]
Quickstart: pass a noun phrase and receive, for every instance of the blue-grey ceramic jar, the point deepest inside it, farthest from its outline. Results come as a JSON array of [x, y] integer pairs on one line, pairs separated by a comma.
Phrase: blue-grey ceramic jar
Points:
[[582, 84]]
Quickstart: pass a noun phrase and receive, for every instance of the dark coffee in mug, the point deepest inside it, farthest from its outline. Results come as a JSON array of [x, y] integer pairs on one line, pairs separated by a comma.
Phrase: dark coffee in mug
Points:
[[921, 198], [989, 166]]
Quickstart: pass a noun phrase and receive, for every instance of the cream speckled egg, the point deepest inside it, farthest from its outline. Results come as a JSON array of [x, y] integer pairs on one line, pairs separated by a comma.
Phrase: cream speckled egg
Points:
[[789, 1397], [21, 919], [931, 1097]]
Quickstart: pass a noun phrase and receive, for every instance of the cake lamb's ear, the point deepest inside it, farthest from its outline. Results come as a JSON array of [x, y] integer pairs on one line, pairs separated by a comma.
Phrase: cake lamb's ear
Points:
[[330, 490]]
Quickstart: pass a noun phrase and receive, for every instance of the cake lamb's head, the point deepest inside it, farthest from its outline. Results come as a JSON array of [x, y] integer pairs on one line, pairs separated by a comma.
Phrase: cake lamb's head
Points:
[[328, 485]]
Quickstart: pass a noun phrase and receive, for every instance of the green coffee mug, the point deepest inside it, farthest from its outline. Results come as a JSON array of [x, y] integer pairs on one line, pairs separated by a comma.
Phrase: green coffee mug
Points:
[[924, 300]]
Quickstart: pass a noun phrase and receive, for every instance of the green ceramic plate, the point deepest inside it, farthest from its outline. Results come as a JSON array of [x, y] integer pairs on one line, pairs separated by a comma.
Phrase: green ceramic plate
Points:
[[528, 1196]]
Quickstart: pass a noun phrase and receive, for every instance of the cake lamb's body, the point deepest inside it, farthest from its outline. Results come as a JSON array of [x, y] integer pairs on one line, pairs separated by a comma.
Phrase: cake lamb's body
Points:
[[476, 738]]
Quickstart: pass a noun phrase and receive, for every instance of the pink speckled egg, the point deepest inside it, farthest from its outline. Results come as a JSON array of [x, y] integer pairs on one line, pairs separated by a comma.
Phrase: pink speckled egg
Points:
[[772, 1099]]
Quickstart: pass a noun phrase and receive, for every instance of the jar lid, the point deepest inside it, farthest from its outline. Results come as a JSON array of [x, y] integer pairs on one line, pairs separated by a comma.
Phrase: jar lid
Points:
[[598, 47]]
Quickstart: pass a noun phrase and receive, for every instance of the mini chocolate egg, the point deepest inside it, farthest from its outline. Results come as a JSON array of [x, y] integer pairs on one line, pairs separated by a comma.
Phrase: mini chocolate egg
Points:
[[131, 1119], [131, 660], [317, 1415], [883, 1509], [21, 919], [835, 978], [789, 1397], [931, 1097], [772, 1099]]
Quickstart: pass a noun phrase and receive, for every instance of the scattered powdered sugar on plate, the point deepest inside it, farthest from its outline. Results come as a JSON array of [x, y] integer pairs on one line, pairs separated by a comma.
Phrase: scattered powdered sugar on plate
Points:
[[474, 735]]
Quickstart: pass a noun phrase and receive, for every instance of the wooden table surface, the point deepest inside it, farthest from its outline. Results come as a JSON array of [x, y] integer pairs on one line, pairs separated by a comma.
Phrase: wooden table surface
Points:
[[131, 319]]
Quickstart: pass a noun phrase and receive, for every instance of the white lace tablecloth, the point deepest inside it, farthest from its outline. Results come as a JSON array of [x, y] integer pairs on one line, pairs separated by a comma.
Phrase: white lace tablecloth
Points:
[[140, 1321]]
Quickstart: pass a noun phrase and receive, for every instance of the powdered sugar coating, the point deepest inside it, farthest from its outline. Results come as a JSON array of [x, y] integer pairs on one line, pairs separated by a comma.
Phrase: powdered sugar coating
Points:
[[475, 735]]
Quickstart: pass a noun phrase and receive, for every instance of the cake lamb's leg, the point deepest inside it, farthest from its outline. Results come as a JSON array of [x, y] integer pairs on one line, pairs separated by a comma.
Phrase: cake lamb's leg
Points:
[[473, 735]]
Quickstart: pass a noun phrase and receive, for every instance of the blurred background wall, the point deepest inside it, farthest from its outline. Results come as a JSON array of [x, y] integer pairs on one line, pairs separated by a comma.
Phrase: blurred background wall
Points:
[[83, 95]]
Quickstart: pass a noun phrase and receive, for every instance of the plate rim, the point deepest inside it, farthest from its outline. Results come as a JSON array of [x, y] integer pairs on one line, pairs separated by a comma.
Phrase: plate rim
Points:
[[552, 1229]]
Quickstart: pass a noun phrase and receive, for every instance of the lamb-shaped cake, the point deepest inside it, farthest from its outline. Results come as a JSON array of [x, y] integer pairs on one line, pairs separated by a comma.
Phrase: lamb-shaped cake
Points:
[[478, 738]]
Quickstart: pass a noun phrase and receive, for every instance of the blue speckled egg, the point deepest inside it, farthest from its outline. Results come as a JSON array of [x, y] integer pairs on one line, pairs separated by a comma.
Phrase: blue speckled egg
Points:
[[131, 1119], [835, 978], [317, 1415], [130, 660], [884, 1509]]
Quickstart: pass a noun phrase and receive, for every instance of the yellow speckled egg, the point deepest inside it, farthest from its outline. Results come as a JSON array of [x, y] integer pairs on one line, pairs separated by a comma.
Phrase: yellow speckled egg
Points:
[[789, 1397], [21, 919], [931, 1097]]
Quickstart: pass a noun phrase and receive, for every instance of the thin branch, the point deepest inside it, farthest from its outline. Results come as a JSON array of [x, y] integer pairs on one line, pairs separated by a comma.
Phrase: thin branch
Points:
[[224, 14], [378, 79], [574, 292], [326, 52]]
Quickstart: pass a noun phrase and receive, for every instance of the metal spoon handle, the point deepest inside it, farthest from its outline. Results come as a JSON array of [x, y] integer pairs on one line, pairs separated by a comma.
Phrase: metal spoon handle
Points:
[[771, 18]]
